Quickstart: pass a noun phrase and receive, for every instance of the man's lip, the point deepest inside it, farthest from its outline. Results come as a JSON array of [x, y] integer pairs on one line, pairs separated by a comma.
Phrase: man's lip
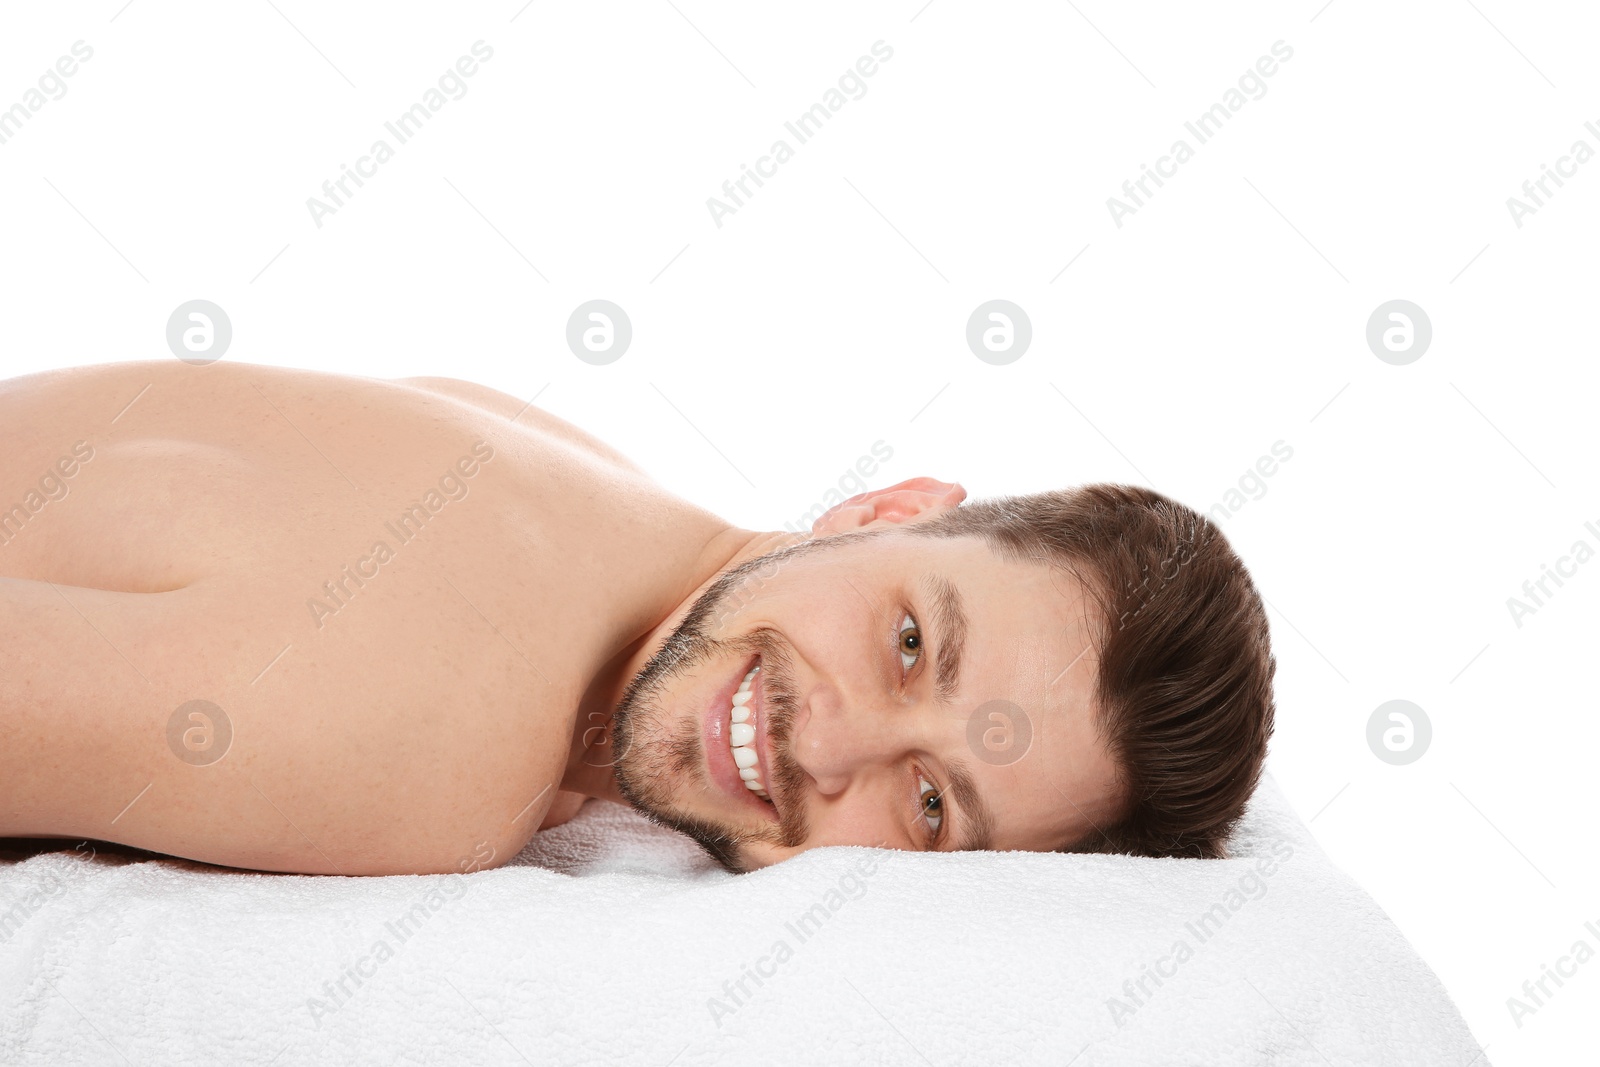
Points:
[[719, 757]]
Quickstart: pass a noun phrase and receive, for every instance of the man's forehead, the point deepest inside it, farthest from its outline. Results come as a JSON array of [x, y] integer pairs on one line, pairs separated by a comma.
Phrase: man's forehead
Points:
[[1025, 603], [1025, 627], [1026, 667]]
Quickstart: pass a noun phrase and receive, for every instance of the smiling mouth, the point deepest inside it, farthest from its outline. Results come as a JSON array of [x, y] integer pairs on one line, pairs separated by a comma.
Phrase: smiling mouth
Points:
[[735, 747], [742, 736]]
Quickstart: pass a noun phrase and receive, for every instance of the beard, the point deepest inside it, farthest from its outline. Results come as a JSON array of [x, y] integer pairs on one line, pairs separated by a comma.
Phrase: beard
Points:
[[660, 749]]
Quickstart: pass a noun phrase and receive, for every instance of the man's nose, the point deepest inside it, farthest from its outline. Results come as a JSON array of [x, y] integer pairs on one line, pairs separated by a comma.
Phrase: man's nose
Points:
[[847, 733]]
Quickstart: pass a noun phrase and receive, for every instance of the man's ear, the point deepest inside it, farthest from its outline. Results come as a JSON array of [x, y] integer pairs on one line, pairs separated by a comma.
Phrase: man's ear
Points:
[[901, 502]]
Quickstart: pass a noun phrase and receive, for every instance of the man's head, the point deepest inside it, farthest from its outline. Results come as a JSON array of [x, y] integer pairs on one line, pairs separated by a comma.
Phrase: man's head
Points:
[[1113, 691]]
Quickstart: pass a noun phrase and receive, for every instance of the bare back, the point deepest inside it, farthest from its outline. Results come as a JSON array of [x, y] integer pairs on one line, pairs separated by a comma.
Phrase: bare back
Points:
[[297, 621]]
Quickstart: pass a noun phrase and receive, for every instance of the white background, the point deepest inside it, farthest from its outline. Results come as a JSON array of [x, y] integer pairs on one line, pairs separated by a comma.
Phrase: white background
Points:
[[829, 313]]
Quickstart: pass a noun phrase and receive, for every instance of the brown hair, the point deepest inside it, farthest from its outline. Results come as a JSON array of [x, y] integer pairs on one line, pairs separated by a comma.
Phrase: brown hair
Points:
[[1184, 683]]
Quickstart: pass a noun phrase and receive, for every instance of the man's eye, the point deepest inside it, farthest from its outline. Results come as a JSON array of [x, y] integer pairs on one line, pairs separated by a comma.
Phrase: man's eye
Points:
[[910, 642], [931, 804]]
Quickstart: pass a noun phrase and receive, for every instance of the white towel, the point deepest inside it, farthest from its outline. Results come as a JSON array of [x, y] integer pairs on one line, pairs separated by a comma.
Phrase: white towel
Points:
[[613, 940]]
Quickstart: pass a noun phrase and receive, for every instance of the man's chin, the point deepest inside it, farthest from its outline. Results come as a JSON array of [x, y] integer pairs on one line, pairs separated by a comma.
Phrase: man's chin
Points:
[[654, 782], [720, 843]]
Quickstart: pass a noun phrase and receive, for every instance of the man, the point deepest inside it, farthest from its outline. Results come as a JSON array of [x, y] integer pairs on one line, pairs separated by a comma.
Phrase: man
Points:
[[293, 621]]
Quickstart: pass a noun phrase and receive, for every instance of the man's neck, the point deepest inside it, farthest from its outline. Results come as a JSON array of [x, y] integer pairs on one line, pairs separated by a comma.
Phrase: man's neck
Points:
[[589, 764]]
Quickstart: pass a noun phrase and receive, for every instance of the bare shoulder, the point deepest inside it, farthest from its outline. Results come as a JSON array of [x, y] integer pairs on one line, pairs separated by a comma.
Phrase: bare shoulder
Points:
[[522, 412]]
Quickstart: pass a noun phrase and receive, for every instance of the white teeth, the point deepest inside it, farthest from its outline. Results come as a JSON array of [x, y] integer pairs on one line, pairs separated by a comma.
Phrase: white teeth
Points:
[[742, 736]]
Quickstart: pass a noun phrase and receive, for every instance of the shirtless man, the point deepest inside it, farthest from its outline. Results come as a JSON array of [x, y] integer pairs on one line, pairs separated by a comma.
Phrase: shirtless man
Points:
[[294, 621]]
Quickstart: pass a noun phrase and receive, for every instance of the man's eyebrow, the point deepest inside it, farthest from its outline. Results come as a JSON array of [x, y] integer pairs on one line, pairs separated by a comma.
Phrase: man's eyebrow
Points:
[[950, 638], [950, 633], [977, 825]]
